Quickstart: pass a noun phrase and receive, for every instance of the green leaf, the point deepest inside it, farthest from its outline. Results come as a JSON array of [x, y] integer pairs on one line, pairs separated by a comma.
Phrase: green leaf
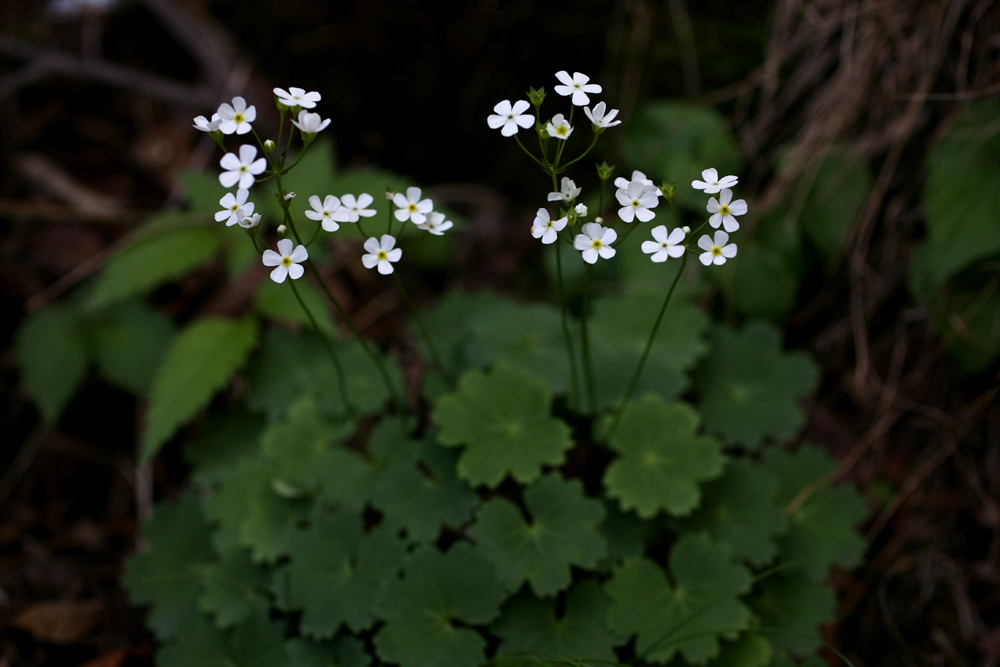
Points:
[[256, 642], [821, 531], [314, 175], [336, 574], [961, 222], [341, 652], [450, 323], [277, 302], [749, 650], [525, 337], [741, 509], [289, 366], [129, 341], [298, 444], [222, 440], [421, 610], [199, 361], [619, 331], [161, 251], [625, 534], [689, 616], [828, 197], [797, 606], [562, 531], [52, 353], [422, 501], [749, 390], [503, 421], [531, 626], [676, 141], [166, 575], [762, 281], [662, 460], [233, 588], [203, 190]]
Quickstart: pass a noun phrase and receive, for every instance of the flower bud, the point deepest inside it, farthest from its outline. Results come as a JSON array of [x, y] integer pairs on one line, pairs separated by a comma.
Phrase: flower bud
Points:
[[290, 195], [667, 189], [686, 229], [581, 210], [599, 220], [604, 171], [282, 231], [390, 194], [536, 97], [269, 147]]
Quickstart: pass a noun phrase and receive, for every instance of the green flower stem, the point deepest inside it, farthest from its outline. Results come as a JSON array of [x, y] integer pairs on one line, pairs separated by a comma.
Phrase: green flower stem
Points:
[[631, 228], [588, 366], [393, 396], [574, 381], [341, 378], [277, 144], [389, 229], [581, 156], [540, 163], [645, 353], [428, 340]]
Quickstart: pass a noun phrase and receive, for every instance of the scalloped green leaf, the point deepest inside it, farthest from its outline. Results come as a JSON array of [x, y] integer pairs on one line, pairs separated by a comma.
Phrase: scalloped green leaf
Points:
[[797, 606], [562, 531], [502, 419], [821, 532], [255, 642], [450, 323], [829, 196], [620, 329], [277, 302], [421, 499], [129, 342], [533, 627], [749, 389], [233, 588], [662, 460], [200, 360], [524, 336], [299, 443], [689, 616], [337, 573], [749, 650], [159, 252], [422, 610], [341, 652], [166, 575], [291, 365], [741, 509], [52, 353], [222, 440]]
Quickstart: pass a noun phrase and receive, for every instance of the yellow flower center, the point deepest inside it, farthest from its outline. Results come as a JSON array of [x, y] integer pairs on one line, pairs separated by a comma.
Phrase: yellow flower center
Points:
[[561, 130], [412, 208], [238, 118], [326, 214], [548, 225], [234, 207], [716, 250], [382, 255], [287, 261], [596, 244], [724, 210], [243, 169], [635, 203]]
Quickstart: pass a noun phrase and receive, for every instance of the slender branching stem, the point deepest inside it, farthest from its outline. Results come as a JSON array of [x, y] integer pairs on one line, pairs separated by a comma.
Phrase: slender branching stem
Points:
[[574, 381], [428, 340], [588, 366]]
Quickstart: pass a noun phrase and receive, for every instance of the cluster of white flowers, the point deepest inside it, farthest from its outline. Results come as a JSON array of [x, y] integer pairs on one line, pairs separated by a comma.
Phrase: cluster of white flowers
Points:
[[717, 248], [509, 118]]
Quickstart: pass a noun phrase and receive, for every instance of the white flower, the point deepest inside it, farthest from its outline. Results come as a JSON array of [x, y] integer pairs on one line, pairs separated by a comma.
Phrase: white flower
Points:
[[436, 224], [329, 211], [411, 207], [601, 119], [357, 208], [236, 118], [250, 221], [510, 118], [713, 183], [622, 183], [581, 210], [595, 241], [576, 86], [558, 127], [241, 170], [723, 211], [310, 123], [716, 251], [205, 125], [636, 202], [664, 245], [297, 97], [568, 192], [286, 261], [232, 206], [546, 229], [381, 254]]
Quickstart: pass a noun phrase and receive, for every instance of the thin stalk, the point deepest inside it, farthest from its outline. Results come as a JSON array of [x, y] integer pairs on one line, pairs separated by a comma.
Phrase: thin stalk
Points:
[[588, 366], [540, 164], [645, 353], [393, 396], [631, 227], [341, 378], [574, 381], [428, 341], [581, 156]]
